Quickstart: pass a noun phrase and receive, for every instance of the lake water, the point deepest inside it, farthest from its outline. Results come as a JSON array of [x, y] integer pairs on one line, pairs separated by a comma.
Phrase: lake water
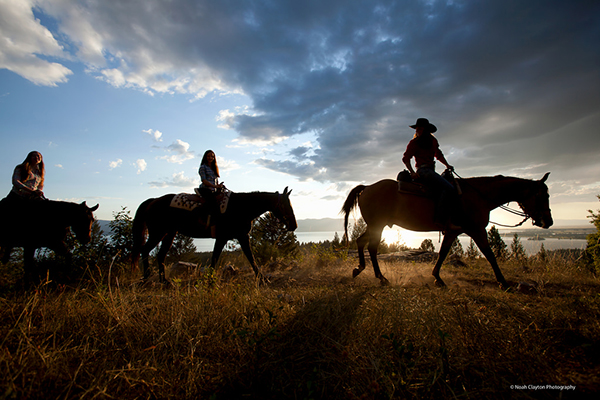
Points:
[[414, 240]]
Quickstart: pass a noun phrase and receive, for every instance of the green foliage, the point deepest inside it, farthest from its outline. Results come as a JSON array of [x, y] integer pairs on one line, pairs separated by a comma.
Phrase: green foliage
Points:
[[472, 252], [517, 251], [542, 255], [592, 250], [121, 240], [356, 230], [270, 239], [497, 244], [427, 245], [456, 249], [183, 247]]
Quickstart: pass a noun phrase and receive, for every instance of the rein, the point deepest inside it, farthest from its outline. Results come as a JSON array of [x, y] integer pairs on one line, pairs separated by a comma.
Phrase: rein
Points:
[[505, 208], [515, 212]]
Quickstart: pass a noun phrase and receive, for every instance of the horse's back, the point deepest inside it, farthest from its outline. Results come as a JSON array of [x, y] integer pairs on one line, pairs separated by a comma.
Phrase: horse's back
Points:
[[381, 204], [32, 222]]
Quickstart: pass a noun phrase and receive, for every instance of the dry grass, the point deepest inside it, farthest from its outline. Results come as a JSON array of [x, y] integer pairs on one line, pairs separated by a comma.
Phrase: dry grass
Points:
[[313, 332]]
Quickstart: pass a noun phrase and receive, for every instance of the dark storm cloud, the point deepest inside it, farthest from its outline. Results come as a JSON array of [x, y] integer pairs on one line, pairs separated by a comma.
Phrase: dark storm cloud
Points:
[[513, 86]]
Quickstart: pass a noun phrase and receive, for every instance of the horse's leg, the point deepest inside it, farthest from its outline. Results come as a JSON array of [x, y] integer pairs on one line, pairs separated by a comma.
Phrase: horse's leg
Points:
[[151, 243], [61, 249], [6, 254], [481, 240], [28, 265], [361, 242], [245, 244], [165, 246], [374, 239], [449, 238], [217, 250]]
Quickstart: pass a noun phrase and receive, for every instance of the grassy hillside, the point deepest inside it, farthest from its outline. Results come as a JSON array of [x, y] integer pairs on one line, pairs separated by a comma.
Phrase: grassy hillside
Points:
[[312, 332]]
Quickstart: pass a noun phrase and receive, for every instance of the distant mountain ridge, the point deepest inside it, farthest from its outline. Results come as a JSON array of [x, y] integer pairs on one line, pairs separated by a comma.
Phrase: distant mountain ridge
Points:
[[337, 225], [304, 225]]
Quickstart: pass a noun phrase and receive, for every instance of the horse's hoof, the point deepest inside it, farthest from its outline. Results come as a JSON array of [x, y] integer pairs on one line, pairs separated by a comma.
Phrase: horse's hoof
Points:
[[439, 283], [355, 272], [384, 281]]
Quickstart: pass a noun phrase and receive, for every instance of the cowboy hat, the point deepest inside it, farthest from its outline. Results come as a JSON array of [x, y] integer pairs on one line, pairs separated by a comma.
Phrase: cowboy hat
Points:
[[424, 122]]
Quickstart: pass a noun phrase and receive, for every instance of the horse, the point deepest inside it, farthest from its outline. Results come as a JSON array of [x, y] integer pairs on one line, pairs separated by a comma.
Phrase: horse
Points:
[[43, 223], [382, 204], [162, 222]]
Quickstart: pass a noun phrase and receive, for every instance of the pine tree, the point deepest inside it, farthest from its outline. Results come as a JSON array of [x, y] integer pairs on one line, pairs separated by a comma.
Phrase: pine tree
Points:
[[456, 249], [472, 251], [592, 250], [517, 251], [542, 255], [497, 244]]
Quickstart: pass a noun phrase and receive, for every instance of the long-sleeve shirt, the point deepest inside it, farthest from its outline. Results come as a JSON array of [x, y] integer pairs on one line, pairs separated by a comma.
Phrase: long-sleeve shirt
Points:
[[423, 157]]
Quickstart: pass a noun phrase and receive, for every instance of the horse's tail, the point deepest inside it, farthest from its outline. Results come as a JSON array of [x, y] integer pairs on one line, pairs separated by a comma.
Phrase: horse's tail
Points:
[[350, 203], [139, 232]]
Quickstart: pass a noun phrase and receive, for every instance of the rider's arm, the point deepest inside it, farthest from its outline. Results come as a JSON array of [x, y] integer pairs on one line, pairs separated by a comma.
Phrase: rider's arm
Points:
[[408, 155], [440, 156]]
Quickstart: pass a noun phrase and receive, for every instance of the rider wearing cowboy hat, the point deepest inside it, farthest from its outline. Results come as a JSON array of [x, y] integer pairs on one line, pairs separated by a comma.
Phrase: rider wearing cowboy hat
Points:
[[424, 147]]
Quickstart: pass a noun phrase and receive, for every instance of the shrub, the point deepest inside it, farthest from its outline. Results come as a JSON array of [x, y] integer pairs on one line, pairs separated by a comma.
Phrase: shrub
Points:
[[270, 239], [497, 244], [592, 250]]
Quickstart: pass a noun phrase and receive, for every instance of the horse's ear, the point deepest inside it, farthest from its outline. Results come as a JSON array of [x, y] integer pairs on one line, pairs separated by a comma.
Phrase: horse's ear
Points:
[[286, 192], [545, 177], [94, 208]]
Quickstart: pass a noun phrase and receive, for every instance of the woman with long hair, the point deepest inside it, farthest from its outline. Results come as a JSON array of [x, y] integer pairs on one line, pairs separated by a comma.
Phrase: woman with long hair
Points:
[[424, 147], [28, 178], [209, 184]]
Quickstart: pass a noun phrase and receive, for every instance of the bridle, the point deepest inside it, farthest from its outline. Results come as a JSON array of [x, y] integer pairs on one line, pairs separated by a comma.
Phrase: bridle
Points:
[[279, 207], [515, 212], [504, 207]]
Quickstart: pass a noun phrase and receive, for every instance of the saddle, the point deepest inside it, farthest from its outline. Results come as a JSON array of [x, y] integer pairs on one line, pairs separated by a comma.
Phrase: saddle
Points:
[[408, 185], [189, 202]]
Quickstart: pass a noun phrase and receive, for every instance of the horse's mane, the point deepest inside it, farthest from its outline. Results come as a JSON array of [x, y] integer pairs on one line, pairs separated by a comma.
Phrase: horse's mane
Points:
[[489, 179]]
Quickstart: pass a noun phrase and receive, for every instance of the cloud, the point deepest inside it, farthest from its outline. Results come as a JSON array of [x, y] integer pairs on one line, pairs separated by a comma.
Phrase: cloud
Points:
[[226, 166], [59, 166], [141, 165], [154, 134], [115, 164], [26, 45], [178, 180], [508, 86], [179, 152]]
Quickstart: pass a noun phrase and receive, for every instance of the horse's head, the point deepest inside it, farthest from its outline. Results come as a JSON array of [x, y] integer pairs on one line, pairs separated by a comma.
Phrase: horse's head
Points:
[[536, 203], [284, 211], [82, 224]]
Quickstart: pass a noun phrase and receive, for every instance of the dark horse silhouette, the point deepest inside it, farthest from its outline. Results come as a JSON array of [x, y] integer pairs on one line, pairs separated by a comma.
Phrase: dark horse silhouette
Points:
[[381, 204], [44, 223], [162, 222]]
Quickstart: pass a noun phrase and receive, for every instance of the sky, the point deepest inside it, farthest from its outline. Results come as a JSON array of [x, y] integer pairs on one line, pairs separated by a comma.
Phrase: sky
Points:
[[122, 98]]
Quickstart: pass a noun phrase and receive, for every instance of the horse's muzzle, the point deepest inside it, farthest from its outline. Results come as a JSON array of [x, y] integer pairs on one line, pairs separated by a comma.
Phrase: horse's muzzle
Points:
[[544, 223]]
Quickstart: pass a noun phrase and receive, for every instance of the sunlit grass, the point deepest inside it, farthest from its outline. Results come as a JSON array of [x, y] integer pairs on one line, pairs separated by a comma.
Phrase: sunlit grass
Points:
[[313, 332]]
